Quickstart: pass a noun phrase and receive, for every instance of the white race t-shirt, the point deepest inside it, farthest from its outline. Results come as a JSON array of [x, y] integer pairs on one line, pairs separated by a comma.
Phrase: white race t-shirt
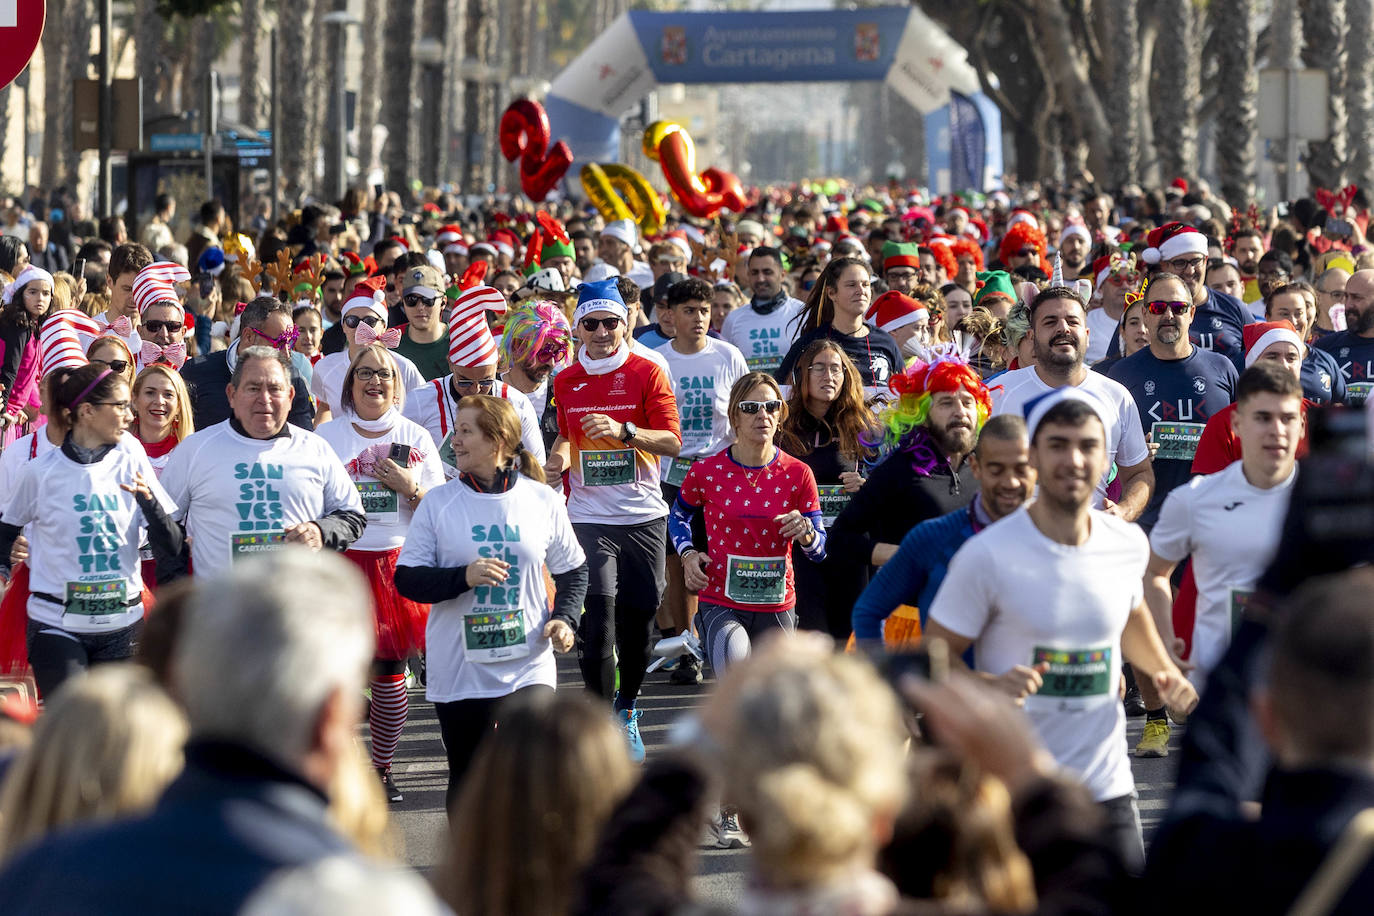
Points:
[[432, 406], [763, 339], [1125, 438], [701, 383], [1231, 529], [1024, 599], [640, 348], [388, 513], [238, 494], [326, 385], [1101, 329], [84, 533], [489, 641], [35, 445]]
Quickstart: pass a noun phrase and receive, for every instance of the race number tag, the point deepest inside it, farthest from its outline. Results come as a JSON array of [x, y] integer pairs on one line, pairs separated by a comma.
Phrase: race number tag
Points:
[[674, 470], [833, 500], [1239, 604], [767, 362], [379, 501], [1075, 674], [756, 580], [242, 546], [608, 468], [1177, 441], [1356, 393], [95, 599], [491, 635]]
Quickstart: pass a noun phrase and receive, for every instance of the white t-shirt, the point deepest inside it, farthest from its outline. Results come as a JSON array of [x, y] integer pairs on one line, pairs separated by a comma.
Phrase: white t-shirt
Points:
[[35, 445], [642, 349], [388, 513], [1101, 329], [326, 385], [1231, 528], [238, 494], [539, 397], [1023, 599], [489, 641], [84, 533], [642, 274], [1125, 438], [432, 406], [701, 383], [763, 339]]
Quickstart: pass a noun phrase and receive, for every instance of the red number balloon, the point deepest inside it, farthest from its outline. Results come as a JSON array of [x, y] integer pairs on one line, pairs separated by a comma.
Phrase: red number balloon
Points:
[[524, 135], [701, 195]]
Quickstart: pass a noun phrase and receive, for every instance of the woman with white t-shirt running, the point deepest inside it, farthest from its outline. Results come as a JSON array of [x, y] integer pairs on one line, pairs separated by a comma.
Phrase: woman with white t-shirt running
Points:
[[87, 505], [476, 551], [393, 462]]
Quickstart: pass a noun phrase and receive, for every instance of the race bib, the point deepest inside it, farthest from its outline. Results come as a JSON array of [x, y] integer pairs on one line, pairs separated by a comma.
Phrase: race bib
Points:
[[833, 500], [95, 599], [768, 362], [674, 470], [1240, 601], [609, 468], [242, 546], [1177, 441], [379, 501], [756, 580], [492, 635], [1076, 674], [1356, 393]]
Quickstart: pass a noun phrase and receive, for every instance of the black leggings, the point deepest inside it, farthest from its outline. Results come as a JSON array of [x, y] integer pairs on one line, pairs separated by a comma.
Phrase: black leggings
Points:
[[462, 725], [55, 654]]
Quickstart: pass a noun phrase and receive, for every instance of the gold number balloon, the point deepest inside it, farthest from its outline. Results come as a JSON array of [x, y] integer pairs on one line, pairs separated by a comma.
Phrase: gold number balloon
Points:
[[619, 192]]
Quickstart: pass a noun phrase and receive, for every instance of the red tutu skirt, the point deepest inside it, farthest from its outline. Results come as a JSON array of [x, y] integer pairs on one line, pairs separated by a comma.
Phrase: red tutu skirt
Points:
[[400, 622]]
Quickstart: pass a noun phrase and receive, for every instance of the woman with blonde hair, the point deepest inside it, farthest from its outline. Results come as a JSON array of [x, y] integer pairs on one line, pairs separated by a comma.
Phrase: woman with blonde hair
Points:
[[111, 352], [162, 412], [105, 747], [475, 551], [540, 789]]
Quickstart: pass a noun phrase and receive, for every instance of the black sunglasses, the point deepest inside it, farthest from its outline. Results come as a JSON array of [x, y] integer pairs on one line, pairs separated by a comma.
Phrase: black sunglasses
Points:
[[591, 324], [171, 327], [114, 365], [352, 321]]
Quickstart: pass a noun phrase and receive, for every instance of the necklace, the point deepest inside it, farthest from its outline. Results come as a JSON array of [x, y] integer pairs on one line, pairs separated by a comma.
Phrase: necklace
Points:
[[758, 472]]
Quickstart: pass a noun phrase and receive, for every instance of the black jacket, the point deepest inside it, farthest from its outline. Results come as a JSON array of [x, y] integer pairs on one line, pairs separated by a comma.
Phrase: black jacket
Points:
[[207, 380]]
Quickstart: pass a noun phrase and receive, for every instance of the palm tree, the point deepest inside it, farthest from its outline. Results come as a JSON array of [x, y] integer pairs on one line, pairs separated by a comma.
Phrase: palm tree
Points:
[[398, 89], [1359, 90], [293, 86], [1123, 91], [52, 163], [1237, 87], [368, 92], [1323, 25], [479, 92], [1176, 108], [149, 29], [252, 110]]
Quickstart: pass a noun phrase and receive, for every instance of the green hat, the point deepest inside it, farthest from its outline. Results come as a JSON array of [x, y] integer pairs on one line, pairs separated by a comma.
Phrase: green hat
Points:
[[553, 248], [901, 254], [994, 283]]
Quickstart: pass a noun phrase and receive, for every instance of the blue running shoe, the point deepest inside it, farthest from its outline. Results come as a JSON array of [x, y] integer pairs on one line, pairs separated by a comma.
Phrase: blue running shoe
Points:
[[629, 719]]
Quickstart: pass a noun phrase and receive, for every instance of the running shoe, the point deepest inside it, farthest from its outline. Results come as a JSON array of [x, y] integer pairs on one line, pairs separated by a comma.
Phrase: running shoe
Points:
[[687, 673], [389, 789], [1155, 741], [723, 832], [629, 720], [1135, 706]]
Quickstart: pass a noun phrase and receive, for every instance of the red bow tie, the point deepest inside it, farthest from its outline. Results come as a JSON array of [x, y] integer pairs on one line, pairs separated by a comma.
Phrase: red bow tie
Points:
[[366, 337]]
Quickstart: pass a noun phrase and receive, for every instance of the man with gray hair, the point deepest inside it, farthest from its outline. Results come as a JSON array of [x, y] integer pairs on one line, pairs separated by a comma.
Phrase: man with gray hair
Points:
[[263, 322], [255, 482], [272, 691]]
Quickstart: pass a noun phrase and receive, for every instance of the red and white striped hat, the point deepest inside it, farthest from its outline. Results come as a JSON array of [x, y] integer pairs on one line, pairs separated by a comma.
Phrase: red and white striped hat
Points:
[[157, 283], [63, 340], [470, 344], [450, 240]]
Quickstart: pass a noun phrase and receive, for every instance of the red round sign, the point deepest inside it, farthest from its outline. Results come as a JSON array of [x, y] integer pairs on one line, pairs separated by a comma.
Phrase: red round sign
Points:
[[21, 25]]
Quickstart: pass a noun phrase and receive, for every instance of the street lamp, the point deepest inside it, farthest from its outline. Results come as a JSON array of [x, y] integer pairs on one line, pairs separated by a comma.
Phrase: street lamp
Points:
[[343, 19]]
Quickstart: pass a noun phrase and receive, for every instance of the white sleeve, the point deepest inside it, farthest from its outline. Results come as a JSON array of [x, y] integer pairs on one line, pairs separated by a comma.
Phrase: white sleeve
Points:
[[339, 491], [410, 375], [21, 506], [421, 545], [1132, 449], [530, 436], [727, 328], [1172, 536], [12, 462], [143, 466], [738, 367], [317, 389], [176, 476], [431, 470], [964, 602], [564, 552]]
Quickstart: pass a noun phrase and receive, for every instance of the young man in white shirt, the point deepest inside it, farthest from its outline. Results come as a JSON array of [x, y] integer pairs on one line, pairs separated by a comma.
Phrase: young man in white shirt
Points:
[[1046, 598], [764, 329]]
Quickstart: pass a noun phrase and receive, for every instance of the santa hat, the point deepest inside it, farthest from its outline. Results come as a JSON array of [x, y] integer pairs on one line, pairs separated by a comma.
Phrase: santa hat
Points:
[[1102, 269], [1173, 240], [1075, 229], [26, 276], [470, 344], [63, 339], [368, 296], [900, 254], [450, 240], [355, 264], [1021, 215], [157, 283], [1260, 335], [506, 242], [893, 310]]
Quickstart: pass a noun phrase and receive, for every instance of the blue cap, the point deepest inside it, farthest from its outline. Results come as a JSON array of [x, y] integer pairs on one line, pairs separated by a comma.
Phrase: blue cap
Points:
[[600, 296], [211, 261]]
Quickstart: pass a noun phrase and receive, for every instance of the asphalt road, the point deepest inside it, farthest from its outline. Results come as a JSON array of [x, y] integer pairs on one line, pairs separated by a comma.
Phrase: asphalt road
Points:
[[421, 773]]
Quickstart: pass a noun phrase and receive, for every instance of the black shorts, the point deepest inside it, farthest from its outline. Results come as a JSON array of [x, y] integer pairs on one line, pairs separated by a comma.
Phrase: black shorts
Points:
[[625, 562]]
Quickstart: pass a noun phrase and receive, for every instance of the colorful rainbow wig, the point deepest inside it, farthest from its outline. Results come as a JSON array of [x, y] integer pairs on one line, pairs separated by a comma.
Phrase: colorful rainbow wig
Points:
[[538, 330], [947, 371]]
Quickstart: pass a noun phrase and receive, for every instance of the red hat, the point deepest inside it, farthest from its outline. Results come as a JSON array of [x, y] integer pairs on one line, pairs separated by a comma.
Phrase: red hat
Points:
[[1260, 335], [893, 310], [1180, 183], [63, 339], [157, 283], [1102, 268], [450, 239], [1173, 240], [470, 343]]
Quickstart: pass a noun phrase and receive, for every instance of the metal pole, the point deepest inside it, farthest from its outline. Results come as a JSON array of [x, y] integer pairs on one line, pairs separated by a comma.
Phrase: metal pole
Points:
[[106, 110], [274, 126], [211, 127]]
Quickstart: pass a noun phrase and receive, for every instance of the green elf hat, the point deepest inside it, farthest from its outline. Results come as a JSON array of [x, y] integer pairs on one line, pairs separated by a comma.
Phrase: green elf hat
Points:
[[901, 254], [553, 248], [994, 283]]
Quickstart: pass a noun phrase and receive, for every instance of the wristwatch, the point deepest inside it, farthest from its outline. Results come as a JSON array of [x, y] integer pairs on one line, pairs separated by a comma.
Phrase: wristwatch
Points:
[[630, 432]]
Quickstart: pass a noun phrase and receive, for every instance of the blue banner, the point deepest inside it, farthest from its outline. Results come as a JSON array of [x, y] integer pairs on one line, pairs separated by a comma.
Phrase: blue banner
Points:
[[966, 143]]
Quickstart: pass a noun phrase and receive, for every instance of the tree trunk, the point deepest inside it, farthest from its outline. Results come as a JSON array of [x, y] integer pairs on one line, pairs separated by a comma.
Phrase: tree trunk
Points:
[[319, 54], [1149, 154], [1237, 87], [81, 28], [1323, 25], [149, 56], [56, 101], [374, 12], [1359, 90], [332, 130], [478, 96], [1067, 67], [398, 89], [1123, 92], [1180, 95], [252, 99], [293, 84]]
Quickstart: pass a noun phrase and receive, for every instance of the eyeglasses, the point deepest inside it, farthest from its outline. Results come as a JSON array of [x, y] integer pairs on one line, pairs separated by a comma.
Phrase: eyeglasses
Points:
[[352, 321], [1028, 252], [484, 385], [1181, 264], [367, 374], [119, 406], [752, 407], [415, 301], [591, 324], [1159, 308], [171, 327], [823, 369], [286, 341], [114, 365], [1337, 294]]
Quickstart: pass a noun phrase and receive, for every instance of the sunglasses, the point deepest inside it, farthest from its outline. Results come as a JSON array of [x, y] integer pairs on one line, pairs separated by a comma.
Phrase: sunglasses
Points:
[[285, 342], [352, 321], [1027, 252], [590, 325], [415, 301], [484, 385], [171, 327], [752, 407], [114, 365], [1159, 308]]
